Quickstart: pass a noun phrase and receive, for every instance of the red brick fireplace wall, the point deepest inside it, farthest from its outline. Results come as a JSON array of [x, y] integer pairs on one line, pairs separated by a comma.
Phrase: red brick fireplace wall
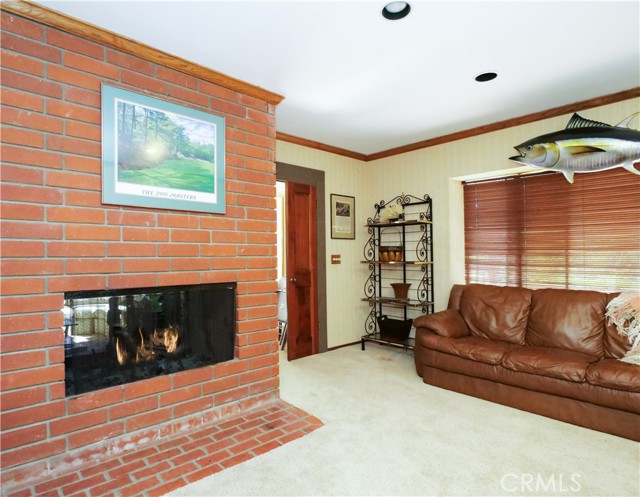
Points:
[[57, 236]]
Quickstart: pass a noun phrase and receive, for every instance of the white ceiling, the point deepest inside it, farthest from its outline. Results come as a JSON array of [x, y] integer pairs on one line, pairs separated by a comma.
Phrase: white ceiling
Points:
[[354, 80]]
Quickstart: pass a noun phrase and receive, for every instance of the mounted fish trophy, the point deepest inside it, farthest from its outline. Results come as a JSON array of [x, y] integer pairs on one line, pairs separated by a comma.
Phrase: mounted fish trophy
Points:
[[584, 146]]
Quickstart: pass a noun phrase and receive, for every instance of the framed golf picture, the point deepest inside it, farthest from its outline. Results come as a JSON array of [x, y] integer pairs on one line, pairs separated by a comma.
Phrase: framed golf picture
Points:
[[161, 155]]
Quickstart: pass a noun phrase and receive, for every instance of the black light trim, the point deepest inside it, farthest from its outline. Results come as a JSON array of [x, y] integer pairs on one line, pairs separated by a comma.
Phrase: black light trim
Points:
[[486, 76], [394, 16]]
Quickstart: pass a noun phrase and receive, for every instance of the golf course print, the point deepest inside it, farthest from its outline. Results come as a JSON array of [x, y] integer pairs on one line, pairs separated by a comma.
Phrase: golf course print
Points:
[[161, 149]]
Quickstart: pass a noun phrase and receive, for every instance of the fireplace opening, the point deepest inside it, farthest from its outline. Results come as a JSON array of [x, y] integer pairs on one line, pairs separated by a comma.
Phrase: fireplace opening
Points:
[[113, 337]]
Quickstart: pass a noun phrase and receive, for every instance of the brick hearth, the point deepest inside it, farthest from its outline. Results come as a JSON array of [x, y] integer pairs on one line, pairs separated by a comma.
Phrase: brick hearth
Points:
[[159, 468]]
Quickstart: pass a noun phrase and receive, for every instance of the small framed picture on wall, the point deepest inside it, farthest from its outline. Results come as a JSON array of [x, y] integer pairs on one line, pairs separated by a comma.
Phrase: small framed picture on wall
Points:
[[343, 217]]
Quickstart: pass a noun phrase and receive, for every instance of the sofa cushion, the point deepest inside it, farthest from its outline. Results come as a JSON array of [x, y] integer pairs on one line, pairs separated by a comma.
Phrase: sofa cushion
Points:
[[625, 400], [545, 361], [567, 319], [615, 374], [474, 348], [495, 312], [447, 323], [454, 296]]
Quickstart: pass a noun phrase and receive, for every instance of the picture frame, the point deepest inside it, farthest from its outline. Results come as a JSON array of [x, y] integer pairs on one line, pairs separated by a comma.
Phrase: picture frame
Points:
[[160, 154], [343, 217]]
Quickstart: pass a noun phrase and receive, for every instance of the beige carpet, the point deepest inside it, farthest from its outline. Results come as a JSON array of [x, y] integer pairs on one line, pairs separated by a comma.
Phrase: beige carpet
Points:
[[387, 433]]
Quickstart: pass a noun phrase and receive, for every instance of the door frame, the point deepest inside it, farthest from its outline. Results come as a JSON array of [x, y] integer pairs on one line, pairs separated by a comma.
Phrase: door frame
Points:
[[314, 177]]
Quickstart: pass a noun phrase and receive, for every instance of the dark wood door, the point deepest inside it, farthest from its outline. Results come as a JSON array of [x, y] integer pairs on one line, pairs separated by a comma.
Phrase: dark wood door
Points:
[[302, 293]]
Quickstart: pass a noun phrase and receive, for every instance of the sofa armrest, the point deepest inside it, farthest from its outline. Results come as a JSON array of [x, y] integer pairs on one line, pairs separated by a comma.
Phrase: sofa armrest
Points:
[[449, 323]]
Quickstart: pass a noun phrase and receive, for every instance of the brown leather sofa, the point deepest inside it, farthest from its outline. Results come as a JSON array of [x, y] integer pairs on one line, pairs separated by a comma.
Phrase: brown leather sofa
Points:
[[550, 352]]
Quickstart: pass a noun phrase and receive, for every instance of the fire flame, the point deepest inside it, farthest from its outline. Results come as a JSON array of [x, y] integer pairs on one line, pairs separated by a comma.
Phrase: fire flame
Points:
[[166, 338], [121, 352], [171, 339], [144, 351]]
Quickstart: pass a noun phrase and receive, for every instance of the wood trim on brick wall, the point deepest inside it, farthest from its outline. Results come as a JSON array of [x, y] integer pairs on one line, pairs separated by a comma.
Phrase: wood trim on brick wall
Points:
[[105, 37]]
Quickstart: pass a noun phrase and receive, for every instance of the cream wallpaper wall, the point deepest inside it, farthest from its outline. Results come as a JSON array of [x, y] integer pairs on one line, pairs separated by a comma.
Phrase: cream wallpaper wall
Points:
[[435, 170], [345, 311]]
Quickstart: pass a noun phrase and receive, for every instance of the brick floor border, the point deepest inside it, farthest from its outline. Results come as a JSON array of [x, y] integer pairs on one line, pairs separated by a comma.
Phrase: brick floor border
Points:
[[158, 468]]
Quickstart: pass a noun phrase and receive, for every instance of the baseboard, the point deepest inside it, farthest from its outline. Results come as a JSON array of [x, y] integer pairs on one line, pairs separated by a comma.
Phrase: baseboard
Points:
[[343, 345]]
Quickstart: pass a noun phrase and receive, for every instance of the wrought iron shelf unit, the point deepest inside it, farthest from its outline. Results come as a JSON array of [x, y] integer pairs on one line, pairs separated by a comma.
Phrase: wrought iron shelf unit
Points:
[[398, 251]]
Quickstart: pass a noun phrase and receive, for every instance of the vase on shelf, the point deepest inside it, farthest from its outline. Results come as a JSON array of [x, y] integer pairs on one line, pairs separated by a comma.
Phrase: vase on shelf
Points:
[[401, 290]]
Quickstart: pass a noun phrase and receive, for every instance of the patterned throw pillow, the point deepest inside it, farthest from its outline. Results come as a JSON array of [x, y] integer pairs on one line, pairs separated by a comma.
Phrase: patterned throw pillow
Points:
[[624, 312]]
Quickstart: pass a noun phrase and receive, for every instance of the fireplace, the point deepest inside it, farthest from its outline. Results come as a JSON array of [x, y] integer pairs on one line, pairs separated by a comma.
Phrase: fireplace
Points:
[[113, 337]]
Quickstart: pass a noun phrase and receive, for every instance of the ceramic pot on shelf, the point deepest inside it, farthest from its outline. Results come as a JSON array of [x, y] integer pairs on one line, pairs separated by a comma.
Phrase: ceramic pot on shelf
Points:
[[401, 290]]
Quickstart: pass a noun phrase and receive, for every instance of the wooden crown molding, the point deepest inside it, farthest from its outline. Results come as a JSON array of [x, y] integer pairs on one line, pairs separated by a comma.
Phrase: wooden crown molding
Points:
[[320, 146], [508, 123], [94, 33]]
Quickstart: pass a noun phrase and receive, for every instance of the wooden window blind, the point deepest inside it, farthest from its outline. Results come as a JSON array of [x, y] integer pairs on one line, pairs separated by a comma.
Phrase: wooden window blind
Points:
[[540, 231]]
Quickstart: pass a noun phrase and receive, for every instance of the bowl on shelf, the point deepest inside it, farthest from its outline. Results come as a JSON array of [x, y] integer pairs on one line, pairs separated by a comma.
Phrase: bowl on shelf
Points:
[[390, 253]]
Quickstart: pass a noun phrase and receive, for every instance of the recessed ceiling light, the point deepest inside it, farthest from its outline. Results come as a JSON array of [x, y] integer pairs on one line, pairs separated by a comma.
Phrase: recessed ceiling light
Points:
[[486, 76], [396, 10]]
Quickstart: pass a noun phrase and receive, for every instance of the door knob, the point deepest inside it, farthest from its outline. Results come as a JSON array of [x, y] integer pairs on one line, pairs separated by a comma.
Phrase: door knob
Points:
[[293, 280]]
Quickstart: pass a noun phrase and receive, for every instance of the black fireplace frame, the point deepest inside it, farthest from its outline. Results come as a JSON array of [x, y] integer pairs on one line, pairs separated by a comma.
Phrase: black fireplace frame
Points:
[[108, 353]]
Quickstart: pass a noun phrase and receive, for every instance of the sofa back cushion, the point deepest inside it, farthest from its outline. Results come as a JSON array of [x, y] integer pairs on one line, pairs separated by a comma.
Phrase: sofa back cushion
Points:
[[496, 312], [567, 319], [455, 296], [615, 345]]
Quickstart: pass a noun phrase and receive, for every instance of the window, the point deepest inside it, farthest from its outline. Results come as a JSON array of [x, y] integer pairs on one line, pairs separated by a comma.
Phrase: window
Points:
[[542, 231]]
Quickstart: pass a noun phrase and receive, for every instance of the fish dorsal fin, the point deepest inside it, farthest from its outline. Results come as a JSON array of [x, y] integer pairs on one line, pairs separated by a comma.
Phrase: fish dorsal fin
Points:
[[577, 121], [625, 122]]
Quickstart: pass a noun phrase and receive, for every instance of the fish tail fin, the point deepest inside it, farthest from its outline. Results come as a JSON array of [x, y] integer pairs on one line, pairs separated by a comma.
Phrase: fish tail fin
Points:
[[568, 174], [625, 122]]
